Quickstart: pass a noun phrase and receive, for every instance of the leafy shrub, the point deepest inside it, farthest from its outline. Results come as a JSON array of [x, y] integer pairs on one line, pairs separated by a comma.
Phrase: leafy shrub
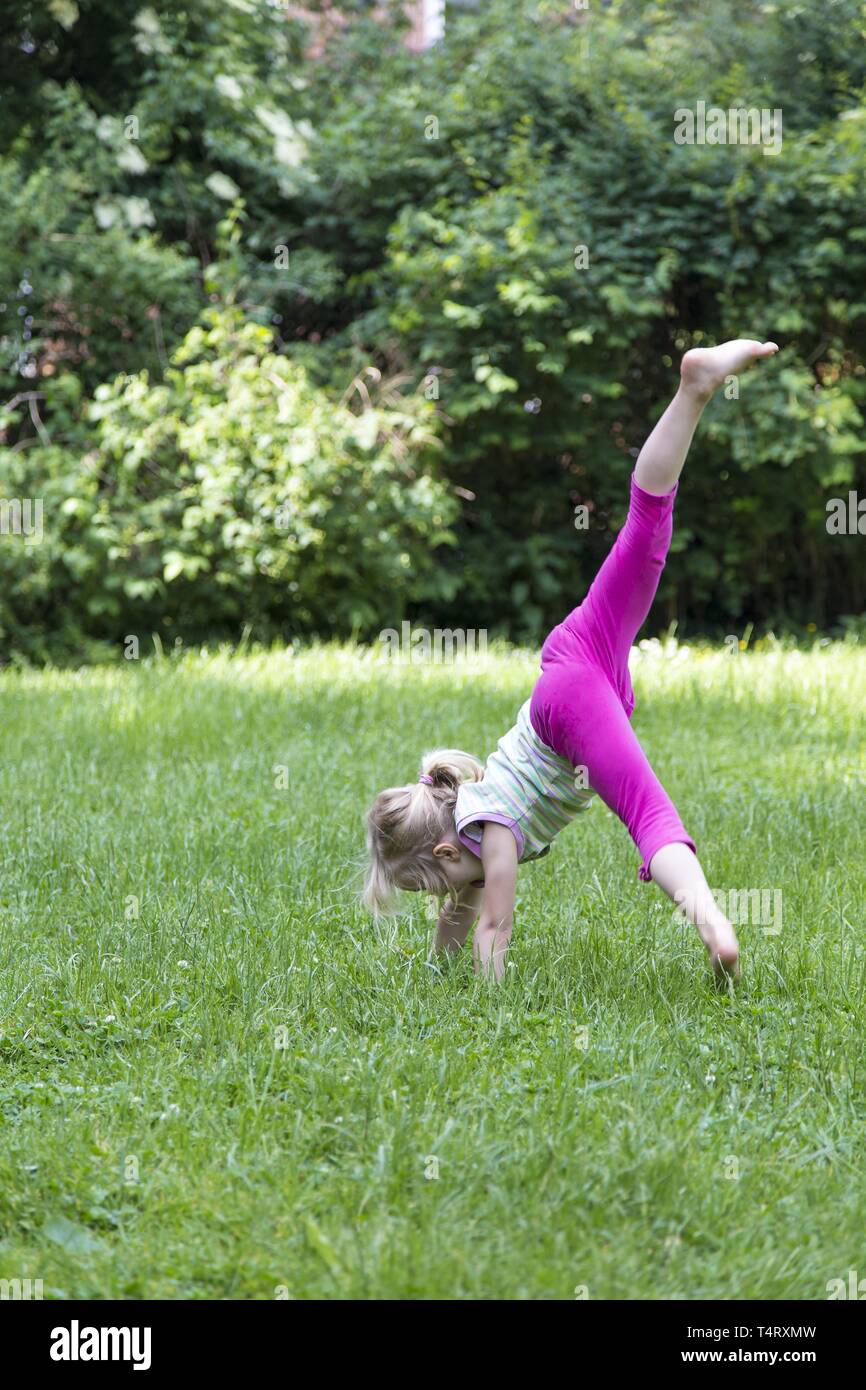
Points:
[[230, 492]]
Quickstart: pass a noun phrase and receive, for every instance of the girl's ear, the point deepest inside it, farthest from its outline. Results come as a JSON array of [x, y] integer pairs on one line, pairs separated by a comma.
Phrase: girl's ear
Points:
[[445, 850]]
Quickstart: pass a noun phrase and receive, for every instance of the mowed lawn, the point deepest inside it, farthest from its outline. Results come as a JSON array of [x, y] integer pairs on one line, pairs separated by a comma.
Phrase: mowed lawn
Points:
[[221, 1080]]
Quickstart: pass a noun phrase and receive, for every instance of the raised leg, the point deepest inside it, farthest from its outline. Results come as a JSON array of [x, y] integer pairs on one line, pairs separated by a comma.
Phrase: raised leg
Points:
[[604, 626]]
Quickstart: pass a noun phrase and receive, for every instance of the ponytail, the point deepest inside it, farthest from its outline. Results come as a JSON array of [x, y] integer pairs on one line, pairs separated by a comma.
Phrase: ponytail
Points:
[[448, 767]]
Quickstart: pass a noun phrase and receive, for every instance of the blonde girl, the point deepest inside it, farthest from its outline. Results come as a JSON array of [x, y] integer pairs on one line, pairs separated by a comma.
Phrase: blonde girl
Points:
[[462, 830]]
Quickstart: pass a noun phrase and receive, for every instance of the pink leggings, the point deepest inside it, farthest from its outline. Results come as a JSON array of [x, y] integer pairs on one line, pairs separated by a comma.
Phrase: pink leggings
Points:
[[583, 700]]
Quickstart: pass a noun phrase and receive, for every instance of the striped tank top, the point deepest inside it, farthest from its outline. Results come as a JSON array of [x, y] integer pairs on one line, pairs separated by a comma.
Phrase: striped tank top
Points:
[[527, 787]]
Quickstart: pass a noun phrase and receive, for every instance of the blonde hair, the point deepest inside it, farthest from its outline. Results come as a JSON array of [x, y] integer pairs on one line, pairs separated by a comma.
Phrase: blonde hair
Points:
[[404, 824]]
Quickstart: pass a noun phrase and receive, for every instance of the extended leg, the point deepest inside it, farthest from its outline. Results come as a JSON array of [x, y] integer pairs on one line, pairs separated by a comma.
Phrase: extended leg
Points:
[[578, 713], [606, 624]]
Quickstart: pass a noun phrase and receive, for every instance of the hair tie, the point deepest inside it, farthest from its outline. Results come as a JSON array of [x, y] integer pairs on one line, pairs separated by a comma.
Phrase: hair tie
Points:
[[426, 779]]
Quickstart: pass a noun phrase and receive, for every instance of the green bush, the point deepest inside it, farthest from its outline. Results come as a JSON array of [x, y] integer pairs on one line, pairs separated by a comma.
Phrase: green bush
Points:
[[231, 492]]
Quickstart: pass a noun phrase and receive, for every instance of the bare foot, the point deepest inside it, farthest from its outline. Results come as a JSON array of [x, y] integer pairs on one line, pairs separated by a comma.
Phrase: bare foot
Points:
[[704, 369], [724, 951], [722, 945], [726, 968]]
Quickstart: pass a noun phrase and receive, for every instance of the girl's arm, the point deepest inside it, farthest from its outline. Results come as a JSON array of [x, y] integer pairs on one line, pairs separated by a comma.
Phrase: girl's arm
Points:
[[493, 933], [455, 919]]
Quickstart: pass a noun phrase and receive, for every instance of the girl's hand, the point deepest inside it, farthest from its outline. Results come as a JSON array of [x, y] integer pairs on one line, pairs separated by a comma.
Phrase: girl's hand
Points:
[[456, 917], [493, 933]]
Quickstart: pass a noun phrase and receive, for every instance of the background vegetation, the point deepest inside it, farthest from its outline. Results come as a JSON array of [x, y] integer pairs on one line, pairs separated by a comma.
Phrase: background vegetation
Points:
[[300, 344]]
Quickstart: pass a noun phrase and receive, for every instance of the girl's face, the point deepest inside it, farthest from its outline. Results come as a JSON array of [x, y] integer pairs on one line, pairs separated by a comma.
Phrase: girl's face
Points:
[[458, 865]]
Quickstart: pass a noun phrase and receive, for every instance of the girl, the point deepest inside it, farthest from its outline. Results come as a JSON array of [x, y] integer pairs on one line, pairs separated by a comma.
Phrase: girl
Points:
[[462, 830]]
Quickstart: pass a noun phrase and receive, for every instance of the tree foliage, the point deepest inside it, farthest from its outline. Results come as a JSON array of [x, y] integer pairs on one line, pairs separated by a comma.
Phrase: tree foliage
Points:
[[209, 236]]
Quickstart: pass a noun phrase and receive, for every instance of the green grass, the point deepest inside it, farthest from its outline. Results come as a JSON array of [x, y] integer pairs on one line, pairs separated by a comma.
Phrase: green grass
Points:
[[144, 1045]]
